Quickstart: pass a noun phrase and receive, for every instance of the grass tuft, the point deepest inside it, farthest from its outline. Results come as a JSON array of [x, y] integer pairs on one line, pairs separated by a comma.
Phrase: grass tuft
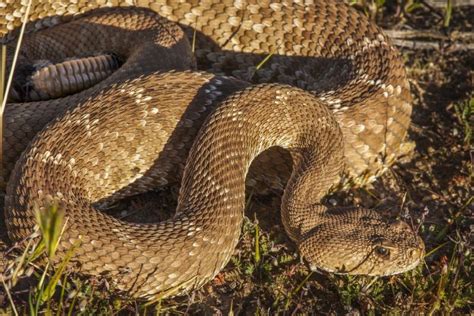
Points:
[[465, 116], [50, 224]]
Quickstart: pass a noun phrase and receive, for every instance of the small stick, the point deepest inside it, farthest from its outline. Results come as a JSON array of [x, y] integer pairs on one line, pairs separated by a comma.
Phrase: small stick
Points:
[[413, 44], [409, 34], [415, 34], [454, 3]]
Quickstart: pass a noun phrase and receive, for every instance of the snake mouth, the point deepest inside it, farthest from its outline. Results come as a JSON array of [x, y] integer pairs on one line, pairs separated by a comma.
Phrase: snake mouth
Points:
[[315, 268], [410, 267], [416, 254]]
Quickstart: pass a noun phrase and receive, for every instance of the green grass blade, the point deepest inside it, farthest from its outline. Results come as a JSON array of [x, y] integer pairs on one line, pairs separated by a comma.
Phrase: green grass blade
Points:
[[52, 284], [50, 223], [448, 13], [257, 245]]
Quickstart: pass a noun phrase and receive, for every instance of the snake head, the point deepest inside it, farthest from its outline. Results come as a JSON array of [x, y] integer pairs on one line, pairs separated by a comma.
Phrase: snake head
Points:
[[361, 242]]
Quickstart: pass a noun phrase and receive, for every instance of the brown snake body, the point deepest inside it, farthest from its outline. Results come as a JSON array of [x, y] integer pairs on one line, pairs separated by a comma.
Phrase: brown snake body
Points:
[[133, 131]]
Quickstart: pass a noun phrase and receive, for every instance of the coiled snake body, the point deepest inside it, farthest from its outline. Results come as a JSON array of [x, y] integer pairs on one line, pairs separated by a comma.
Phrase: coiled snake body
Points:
[[133, 131]]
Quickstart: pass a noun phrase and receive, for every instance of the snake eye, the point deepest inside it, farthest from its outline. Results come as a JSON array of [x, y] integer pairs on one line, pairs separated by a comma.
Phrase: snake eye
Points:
[[382, 251]]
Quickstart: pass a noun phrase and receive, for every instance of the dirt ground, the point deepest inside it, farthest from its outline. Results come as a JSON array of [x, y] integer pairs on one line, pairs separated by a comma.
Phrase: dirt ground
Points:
[[432, 188]]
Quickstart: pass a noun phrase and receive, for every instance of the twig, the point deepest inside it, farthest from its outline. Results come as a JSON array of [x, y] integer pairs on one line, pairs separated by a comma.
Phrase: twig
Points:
[[414, 44], [410, 34], [434, 10], [413, 39], [454, 3], [463, 36], [415, 34]]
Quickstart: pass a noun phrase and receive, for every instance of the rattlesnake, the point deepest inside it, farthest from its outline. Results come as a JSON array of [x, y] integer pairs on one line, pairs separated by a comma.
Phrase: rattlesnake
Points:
[[133, 130]]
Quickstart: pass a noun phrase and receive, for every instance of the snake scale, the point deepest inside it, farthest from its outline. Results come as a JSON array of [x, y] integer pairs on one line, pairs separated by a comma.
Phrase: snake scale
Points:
[[310, 84]]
